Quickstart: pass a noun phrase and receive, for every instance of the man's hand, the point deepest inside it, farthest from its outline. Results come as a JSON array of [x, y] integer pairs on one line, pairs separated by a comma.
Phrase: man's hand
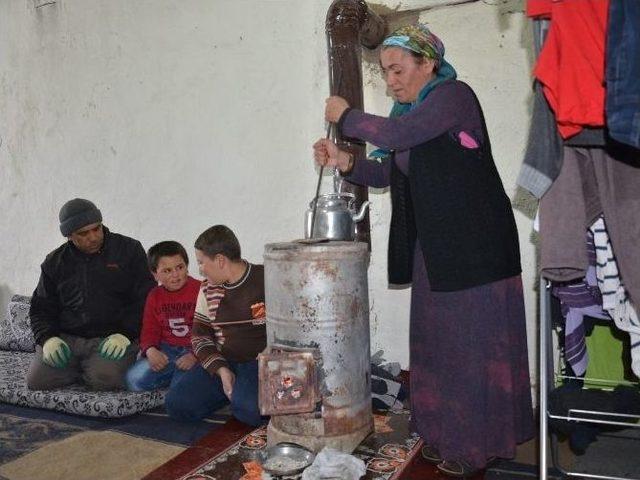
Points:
[[186, 361], [114, 346], [157, 359], [56, 353], [228, 379]]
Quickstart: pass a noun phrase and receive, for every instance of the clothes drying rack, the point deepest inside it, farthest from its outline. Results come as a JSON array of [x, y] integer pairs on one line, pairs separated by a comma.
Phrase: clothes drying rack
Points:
[[549, 374]]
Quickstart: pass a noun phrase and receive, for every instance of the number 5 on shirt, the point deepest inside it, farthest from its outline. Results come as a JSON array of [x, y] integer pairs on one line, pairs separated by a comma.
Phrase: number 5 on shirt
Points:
[[178, 327]]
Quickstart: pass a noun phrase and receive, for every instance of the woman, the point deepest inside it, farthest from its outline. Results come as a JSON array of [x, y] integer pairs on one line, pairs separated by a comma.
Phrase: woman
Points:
[[453, 236]]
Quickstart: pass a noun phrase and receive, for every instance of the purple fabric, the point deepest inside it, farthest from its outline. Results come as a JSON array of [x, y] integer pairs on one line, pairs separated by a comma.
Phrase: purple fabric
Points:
[[469, 372], [450, 107], [577, 299], [470, 387]]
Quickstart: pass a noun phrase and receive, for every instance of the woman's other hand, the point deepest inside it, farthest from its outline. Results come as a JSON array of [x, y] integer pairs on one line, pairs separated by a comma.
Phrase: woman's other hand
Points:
[[334, 108], [327, 154]]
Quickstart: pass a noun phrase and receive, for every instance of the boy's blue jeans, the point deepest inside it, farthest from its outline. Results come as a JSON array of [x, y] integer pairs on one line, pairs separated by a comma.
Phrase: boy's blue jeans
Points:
[[198, 393], [140, 377]]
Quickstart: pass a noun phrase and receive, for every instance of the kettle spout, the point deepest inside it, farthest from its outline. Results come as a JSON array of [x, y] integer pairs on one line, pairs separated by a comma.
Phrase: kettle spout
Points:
[[360, 215]]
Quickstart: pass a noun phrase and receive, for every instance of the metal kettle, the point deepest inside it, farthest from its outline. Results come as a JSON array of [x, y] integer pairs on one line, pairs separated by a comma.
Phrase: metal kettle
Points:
[[335, 217]]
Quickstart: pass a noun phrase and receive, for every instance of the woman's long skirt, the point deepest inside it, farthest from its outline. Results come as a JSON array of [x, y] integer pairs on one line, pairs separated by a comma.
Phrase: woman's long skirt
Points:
[[469, 369]]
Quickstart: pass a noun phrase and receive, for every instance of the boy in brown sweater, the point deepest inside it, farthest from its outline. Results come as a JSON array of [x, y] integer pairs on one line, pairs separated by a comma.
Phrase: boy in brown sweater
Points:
[[228, 333]]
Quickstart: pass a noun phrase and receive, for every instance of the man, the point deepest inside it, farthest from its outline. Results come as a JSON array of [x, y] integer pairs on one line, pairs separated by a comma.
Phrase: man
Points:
[[87, 308]]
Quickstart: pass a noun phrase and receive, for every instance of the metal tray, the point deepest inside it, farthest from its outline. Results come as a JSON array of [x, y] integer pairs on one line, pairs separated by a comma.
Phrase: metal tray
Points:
[[290, 453]]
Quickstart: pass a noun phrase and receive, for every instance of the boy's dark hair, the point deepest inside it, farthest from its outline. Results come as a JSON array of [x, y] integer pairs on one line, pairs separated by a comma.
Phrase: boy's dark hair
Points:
[[165, 249], [219, 239]]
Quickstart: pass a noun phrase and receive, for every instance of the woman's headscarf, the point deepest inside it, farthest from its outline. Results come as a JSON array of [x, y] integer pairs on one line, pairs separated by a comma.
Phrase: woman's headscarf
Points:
[[419, 39]]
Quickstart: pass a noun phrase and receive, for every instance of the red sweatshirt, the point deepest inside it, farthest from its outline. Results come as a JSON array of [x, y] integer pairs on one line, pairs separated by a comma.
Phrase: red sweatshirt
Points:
[[168, 316]]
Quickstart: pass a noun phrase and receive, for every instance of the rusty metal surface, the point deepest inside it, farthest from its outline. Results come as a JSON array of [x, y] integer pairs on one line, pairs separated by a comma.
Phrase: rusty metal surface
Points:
[[317, 297], [350, 23], [287, 382], [345, 443]]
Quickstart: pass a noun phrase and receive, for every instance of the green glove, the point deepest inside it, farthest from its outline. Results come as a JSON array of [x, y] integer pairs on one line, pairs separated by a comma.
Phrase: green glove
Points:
[[56, 352], [114, 346]]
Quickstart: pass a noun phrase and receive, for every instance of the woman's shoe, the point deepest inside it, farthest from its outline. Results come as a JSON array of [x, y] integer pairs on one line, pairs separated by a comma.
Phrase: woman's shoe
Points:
[[431, 454], [457, 468]]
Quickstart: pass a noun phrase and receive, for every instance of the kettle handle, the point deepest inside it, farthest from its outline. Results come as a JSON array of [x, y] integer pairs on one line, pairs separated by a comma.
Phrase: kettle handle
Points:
[[357, 217]]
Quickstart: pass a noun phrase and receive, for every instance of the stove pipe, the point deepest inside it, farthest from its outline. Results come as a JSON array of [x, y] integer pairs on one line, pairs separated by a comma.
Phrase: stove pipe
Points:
[[350, 24]]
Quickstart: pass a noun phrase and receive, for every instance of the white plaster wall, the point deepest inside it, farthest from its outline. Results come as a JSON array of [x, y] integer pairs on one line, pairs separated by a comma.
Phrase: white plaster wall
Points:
[[176, 115]]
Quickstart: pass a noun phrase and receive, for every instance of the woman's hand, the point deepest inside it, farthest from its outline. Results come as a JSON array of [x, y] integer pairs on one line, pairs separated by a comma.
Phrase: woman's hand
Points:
[[334, 108], [326, 153]]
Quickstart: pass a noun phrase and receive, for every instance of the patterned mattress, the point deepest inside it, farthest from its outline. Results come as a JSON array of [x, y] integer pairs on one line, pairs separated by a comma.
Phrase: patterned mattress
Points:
[[74, 399]]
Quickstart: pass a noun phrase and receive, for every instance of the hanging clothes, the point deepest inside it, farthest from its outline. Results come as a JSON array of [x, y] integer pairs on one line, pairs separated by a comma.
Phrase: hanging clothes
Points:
[[593, 181], [614, 296], [571, 63], [623, 72], [543, 157], [577, 300]]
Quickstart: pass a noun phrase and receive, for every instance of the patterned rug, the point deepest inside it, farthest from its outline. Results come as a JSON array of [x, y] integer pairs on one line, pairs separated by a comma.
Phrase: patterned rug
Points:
[[30, 436], [91, 455], [385, 453]]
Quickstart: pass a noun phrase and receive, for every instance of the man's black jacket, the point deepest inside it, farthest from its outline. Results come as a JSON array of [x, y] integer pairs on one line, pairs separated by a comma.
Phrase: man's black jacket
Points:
[[92, 295]]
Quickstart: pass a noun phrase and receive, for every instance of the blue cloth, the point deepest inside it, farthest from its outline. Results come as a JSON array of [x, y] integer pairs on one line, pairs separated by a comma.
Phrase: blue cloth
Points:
[[197, 394], [141, 377], [623, 72]]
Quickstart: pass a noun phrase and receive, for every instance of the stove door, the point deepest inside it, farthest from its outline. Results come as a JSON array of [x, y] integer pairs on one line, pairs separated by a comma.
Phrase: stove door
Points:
[[288, 382]]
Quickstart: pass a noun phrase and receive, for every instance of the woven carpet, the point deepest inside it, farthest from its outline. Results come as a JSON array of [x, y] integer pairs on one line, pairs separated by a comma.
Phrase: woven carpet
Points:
[[91, 455], [386, 453], [45, 444]]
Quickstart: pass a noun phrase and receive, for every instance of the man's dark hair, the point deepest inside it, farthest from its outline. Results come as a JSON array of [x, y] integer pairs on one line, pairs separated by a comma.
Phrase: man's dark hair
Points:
[[165, 249], [219, 239]]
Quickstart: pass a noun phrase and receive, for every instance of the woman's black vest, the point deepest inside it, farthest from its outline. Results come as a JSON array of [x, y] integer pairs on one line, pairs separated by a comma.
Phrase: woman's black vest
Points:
[[454, 203]]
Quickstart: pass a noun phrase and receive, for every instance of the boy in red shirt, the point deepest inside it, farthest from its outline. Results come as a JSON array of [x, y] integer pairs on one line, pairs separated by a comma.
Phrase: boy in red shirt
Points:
[[165, 341]]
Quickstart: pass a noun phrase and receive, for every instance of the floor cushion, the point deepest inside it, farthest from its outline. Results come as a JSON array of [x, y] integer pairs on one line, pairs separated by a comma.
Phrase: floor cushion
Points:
[[15, 326], [16, 351], [73, 399]]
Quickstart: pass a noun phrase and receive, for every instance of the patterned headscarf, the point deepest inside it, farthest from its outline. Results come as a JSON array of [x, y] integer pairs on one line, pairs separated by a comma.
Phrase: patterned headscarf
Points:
[[419, 39]]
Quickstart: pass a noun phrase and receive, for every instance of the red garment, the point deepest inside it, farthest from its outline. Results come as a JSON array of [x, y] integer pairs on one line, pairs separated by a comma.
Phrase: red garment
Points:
[[168, 316], [571, 63], [539, 8]]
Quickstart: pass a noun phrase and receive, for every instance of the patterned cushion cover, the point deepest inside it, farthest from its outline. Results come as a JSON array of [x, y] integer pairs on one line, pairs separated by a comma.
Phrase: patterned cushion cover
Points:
[[74, 399], [15, 328]]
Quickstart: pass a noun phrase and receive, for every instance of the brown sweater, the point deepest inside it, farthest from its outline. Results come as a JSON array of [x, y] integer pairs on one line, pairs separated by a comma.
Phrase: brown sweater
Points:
[[229, 321]]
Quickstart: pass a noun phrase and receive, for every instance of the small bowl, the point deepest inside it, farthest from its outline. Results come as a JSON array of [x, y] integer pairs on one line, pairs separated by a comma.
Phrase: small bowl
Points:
[[285, 459]]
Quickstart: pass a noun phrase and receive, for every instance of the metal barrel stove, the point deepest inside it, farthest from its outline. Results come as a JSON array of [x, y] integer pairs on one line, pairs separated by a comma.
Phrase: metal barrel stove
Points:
[[315, 374]]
